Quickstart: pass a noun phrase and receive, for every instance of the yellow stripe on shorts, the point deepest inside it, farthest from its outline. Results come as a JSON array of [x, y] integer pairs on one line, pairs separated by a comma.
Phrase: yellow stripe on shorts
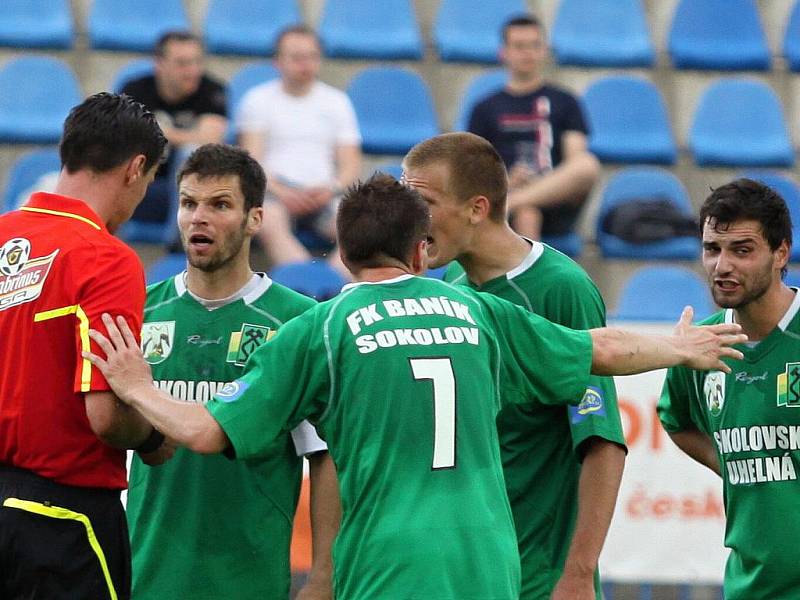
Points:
[[56, 512]]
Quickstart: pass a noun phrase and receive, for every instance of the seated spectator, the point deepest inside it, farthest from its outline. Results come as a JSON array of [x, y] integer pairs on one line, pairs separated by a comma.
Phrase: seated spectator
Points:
[[190, 108], [305, 135], [539, 131]]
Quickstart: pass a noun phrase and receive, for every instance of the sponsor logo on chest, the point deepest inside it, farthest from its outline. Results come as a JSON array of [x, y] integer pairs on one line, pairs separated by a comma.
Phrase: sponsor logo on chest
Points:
[[788, 393], [246, 341]]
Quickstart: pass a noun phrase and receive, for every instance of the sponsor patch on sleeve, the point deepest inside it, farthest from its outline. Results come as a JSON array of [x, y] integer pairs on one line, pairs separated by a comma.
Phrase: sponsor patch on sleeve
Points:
[[232, 391], [591, 404]]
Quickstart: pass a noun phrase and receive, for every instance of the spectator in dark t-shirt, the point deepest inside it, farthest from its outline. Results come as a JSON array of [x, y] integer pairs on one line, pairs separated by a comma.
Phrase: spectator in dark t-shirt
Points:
[[539, 131], [189, 105]]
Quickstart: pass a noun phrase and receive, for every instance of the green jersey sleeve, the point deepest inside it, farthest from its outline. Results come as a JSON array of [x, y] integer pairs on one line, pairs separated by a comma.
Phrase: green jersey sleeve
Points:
[[539, 360], [677, 395], [286, 380], [577, 303]]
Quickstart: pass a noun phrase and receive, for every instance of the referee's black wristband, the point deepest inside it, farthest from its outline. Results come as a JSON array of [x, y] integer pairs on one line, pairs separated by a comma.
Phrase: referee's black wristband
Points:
[[151, 443]]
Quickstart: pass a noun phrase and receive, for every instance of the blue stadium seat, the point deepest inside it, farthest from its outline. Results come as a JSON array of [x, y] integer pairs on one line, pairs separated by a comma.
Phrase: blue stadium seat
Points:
[[133, 26], [138, 67], [437, 273], [602, 34], [165, 267], [250, 75], [790, 192], [36, 94], [25, 172], [628, 121], [740, 123], [316, 279], [570, 244], [791, 39], [792, 278], [659, 293], [469, 30], [385, 30], [36, 24], [394, 109], [248, 27], [479, 88], [718, 34], [644, 183]]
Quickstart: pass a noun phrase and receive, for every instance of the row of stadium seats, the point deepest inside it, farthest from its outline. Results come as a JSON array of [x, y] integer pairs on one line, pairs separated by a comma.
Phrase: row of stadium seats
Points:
[[704, 34], [738, 122], [631, 184], [642, 297]]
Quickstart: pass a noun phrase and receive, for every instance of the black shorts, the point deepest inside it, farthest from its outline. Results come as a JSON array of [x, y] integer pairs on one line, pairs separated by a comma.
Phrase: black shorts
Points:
[[61, 542]]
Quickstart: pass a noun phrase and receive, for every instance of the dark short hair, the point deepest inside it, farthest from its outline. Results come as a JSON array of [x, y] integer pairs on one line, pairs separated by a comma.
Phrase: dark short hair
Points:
[[380, 220], [106, 130], [175, 35], [221, 160], [295, 30], [520, 21], [474, 167], [752, 200]]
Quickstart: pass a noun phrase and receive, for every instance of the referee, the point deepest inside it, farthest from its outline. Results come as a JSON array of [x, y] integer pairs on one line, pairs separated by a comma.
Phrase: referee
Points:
[[62, 431]]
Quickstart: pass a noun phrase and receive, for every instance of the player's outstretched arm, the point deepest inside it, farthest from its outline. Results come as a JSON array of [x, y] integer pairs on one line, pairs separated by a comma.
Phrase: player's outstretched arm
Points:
[[128, 374], [619, 352]]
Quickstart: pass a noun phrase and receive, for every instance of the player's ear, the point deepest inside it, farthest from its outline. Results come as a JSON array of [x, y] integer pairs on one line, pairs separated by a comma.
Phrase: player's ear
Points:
[[480, 207], [419, 261], [781, 255], [255, 217]]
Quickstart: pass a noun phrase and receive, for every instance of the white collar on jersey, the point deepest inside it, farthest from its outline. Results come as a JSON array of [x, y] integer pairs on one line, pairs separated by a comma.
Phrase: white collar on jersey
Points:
[[249, 292], [403, 277], [785, 320], [537, 249]]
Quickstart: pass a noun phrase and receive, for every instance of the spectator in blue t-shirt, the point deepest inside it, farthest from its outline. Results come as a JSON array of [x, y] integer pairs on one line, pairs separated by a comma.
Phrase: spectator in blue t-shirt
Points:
[[539, 131]]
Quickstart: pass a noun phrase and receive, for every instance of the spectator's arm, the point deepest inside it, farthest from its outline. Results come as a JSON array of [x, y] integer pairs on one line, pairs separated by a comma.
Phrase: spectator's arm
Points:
[[348, 164], [210, 128], [570, 182]]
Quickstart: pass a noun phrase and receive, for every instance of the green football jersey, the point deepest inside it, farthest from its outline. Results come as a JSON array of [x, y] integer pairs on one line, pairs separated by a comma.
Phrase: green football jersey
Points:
[[404, 378], [753, 416], [540, 444], [206, 527]]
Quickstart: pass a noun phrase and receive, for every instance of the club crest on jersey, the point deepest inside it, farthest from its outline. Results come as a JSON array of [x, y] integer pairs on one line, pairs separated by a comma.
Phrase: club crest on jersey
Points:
[[158, 337], [789, 385], [714, 391], [590, 404], [21, 277], [246, 341]]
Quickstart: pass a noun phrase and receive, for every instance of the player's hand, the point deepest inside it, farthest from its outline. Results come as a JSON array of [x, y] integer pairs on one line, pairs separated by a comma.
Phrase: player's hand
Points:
[[124, 366], [574, 587], [315, 591], [160, 455], [705, 346]]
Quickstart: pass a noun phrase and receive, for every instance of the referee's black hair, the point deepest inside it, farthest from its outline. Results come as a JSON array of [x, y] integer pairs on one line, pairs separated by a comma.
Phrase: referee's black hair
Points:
[[380, 221], [106, 130], [220, 160]]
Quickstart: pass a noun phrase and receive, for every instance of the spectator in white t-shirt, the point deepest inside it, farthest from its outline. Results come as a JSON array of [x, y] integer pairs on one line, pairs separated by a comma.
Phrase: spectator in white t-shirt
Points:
[[305, 135]]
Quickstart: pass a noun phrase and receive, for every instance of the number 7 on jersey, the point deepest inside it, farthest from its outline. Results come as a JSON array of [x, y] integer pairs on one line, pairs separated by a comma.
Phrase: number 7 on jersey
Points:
[[440, 372]]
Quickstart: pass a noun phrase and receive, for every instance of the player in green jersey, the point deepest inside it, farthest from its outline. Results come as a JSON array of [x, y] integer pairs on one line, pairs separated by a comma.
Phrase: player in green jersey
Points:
[[404, 376], [562, 465], [203, 526], [745, 425]]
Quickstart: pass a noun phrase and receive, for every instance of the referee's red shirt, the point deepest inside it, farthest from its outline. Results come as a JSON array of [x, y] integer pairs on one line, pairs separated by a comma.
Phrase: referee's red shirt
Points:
[[60, 269]]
